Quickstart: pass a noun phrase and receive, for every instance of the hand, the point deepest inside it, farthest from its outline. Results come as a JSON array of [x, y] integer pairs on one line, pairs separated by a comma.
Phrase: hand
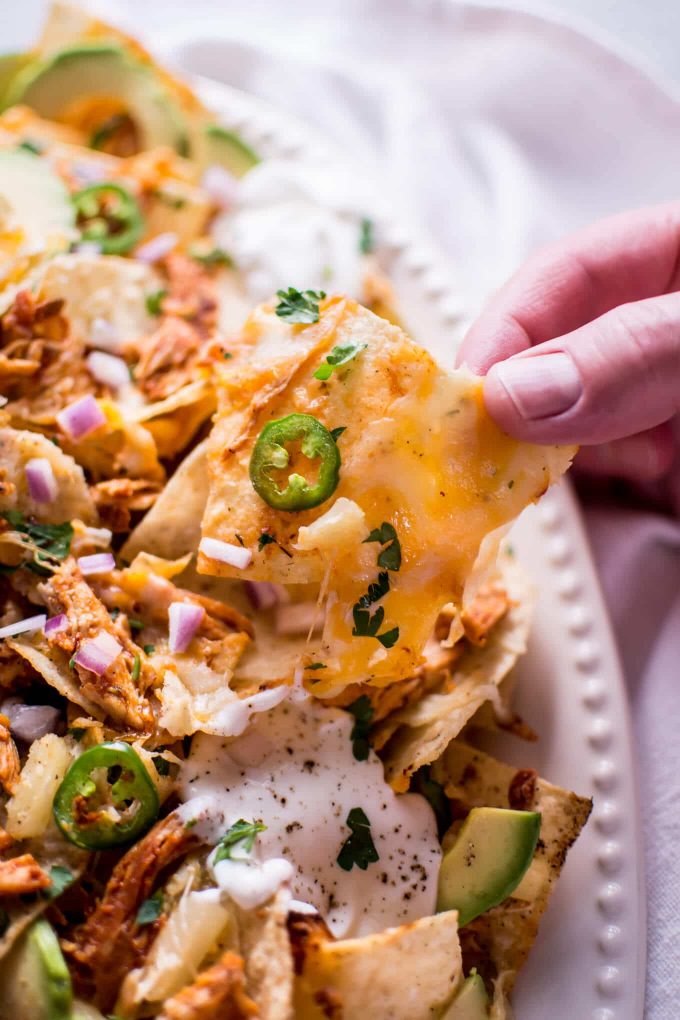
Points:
[[583, 346]]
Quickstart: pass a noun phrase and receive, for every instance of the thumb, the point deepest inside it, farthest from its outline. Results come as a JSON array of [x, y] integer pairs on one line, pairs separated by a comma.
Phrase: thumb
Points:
[[616, 376]]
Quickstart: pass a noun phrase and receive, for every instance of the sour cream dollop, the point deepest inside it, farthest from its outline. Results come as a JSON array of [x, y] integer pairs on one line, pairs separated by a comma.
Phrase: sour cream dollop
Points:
[[294, 771]]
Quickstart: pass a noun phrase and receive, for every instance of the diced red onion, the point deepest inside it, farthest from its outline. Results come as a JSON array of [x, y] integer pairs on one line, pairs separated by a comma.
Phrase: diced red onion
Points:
[[97, 654], [157, 248], [30, 722], [264, 594], [42, 484], [79, 419], [224, 552], [104, 334], [184, 619], [97, 563], [108, 369], [26, 626], [220, 185], [56, 624], [88, 173], [87, 248], [297, 618]]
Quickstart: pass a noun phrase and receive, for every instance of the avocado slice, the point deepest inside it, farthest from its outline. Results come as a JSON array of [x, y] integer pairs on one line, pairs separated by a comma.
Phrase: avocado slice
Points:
[[89, 70], [10, 65], [34, 978], [488, 860], [38, 199], [471, 1003], [219, 146]]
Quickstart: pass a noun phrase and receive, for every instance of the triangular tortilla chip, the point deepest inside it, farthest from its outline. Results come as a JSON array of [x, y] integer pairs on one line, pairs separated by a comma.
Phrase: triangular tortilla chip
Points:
[[418, 451], [73, 499]]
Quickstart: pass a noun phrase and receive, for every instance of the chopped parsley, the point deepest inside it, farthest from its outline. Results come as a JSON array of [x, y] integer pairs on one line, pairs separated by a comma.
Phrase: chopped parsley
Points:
[[390, 557], [239, 539], [77, 732], [316, 665], [149, 649], [114, 613], [154, 301], [362, 710], [336, 433], [136, 666], [367, 624], [376, 590], [150, 909], [242, 834], [366, 239], [51, 542], [135, 624], [299, 306], [340, 355], [358, 848], [214, 257], [161, 764], [61, 878]]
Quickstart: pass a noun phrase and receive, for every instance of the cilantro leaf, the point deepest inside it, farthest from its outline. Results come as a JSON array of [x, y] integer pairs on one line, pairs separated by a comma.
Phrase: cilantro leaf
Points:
[[136, 668], [150, 910], [390, 557], [358, 848], [340, 355], [154, 302], [149, 649], [299, 306], [241, 833], [388, 638], [365, 624], [433, 792], [376, 590], [362, 710], [264, 540], [214, 257], [50, 541], [62, 878], [161, 764], [366, 239], [30, 146], [336, 433], [316, 665]]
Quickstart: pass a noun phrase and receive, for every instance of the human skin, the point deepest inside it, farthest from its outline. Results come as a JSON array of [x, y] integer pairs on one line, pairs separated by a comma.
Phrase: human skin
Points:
[[582, 345]]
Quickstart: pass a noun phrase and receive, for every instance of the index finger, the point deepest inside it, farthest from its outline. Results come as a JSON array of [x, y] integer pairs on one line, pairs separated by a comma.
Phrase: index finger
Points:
[[624, 258]]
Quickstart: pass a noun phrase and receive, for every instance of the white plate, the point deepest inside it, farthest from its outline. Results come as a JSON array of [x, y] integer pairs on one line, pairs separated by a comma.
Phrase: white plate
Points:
[[589, 960]]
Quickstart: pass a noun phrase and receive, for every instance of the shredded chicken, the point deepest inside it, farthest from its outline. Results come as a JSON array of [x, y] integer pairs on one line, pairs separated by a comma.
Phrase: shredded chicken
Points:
[[9, 758], [22, 875], [110, 943], [117, 498], [116, 691], [216, 994], [169, 357], [490, 605], [41, 364]]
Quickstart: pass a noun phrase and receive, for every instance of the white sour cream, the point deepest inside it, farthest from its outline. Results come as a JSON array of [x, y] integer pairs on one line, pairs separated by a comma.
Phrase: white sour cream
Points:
[[296, 225], [294, 771]]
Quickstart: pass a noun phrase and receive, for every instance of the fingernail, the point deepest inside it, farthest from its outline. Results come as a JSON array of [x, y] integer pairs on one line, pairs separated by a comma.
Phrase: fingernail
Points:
[[542, 386]]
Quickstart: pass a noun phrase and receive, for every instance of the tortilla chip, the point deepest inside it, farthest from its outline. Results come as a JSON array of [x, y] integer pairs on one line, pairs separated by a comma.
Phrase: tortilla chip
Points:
[[73, 497], [50, 850], [419, 733], [265, 947], [418, 452], [498, 942], [49, 661], [405, 973], [172, 528]]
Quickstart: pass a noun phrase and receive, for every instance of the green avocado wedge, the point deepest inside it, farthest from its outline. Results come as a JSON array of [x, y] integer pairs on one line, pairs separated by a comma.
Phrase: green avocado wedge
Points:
[[34, 978], [10, 66], [471, 1003], [89, 70], [488, 860], [217, 146]]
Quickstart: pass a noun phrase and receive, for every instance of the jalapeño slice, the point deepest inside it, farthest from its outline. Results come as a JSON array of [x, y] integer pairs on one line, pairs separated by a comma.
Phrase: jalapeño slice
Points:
[[106, 798], [271, 455], [110, 216]]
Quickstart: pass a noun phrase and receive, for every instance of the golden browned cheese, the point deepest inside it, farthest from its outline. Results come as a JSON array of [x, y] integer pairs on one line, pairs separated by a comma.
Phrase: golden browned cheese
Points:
[[216, 994], [110, 943], [22, 875], [419, 452], [9, 758], [115, 691]]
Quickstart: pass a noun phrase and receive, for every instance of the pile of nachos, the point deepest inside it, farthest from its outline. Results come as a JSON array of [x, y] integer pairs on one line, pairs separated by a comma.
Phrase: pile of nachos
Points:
[[256, 612]]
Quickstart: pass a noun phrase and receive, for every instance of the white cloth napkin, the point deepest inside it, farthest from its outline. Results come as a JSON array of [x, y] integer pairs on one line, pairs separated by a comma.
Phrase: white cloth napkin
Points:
[[494, 131]]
